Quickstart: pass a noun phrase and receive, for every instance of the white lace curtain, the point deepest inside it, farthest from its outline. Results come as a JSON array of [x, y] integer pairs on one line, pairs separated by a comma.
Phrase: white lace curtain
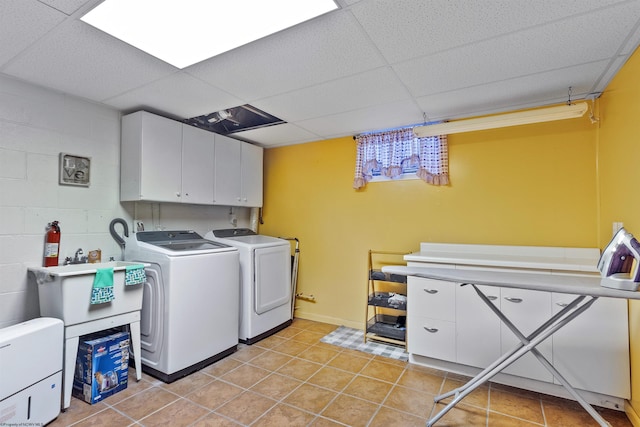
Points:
[[390, 151]]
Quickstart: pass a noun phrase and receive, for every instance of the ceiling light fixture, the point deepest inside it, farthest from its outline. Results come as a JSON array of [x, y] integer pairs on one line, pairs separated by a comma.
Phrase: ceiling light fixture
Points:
[[188, 31], [517, 118]]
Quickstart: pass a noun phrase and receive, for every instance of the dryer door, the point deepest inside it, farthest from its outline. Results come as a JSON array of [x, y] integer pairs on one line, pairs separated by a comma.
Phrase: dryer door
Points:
[[272, 281], [151, 316]]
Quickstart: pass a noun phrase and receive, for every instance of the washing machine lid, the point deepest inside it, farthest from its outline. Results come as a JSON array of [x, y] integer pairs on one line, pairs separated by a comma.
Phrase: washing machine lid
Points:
[[244, 237], [179, 242]]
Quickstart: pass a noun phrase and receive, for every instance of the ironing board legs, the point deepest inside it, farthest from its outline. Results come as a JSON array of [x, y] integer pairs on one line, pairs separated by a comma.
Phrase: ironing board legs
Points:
[[527, 344]]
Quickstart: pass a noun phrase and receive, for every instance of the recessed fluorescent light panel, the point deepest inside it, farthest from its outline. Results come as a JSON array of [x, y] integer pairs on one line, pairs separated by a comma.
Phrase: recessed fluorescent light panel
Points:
[[184, 32]]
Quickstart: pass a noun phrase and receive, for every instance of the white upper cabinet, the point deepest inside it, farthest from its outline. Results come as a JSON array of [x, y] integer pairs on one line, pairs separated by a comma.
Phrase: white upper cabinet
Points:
[[150, 158], [163, 160], [197, 165], [238, 173]]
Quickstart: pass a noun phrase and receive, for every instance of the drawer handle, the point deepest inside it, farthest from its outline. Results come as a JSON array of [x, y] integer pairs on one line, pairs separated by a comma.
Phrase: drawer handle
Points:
[[432, 330], [431, 291], [562, 304], [511, 299], [492, 297]]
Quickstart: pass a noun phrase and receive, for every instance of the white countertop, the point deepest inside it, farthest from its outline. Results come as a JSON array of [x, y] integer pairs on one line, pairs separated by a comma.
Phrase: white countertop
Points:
[[568, 284], [526, 257]]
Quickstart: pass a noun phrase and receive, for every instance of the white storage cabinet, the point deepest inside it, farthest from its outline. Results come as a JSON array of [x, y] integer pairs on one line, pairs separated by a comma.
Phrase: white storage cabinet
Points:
[[163, 160], [238, 173]]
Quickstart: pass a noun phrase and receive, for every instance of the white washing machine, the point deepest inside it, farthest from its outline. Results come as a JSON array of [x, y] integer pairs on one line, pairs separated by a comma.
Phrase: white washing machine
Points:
[[265, 281], [189, 316]]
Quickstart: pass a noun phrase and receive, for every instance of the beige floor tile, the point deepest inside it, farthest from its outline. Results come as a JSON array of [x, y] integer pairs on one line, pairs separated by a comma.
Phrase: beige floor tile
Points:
[[323, 328], [500, 420], [416, 402], [290, 347], [188, 384], [215, 420], [270, 360], [310, 398], [422, 380], [387, 417], [462, 416], [347, 362], [401, 363], [246, 353], [288, 332], [245, 376], [382, 371], [350, 411], [479, 397], [369, 389], [214, 394], [246, 408], [77, 411], [300, 369], [276, 386], [568, 413], [271, 342], [222, 367], [106, 418], [145, 402], [331, 378], [302, 323], [516, 405], [284, 416], [179, 413], [325, 422], [318, 354], [308, 337]]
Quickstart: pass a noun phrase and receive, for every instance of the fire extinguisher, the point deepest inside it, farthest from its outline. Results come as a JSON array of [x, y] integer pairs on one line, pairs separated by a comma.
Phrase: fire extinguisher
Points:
[[52, 245]]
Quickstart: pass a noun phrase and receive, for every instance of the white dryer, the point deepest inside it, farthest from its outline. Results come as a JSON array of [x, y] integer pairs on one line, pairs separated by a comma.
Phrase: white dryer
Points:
[[189, 316], [265, 281]]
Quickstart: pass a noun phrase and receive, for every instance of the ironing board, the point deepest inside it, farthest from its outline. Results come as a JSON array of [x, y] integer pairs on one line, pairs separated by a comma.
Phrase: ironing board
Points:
[[587, 290]]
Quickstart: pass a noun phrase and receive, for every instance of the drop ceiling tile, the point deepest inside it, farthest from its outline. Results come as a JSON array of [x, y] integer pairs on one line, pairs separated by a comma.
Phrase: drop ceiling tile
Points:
[[512, 55], [422, 27], [524, 92], [349, 93], [80, 60], [22, 22], [273, 136], [395, 114], [181, 94], [67, 6], [313, 52]]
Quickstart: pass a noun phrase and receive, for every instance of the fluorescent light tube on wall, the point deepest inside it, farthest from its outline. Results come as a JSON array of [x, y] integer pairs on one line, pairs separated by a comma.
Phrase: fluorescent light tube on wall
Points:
[[540, 115], [183, 32]]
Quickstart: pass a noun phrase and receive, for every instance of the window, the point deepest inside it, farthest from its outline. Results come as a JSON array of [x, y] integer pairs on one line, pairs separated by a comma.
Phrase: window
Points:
[[398, 153]]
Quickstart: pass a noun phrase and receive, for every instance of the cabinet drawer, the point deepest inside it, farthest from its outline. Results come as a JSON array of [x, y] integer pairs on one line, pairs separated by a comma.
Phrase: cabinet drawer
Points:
[[435, 299], [432, 338]]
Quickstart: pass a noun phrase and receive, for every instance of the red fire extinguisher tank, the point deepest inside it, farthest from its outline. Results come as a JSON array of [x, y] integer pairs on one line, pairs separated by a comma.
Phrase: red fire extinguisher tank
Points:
[[52, 245]]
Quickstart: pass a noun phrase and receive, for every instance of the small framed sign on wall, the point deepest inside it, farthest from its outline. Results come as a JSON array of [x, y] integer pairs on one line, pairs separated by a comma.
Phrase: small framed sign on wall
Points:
[[75, 170]]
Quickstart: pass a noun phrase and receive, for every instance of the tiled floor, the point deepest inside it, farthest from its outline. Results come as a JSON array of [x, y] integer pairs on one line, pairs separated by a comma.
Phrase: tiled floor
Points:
[[292, 379]]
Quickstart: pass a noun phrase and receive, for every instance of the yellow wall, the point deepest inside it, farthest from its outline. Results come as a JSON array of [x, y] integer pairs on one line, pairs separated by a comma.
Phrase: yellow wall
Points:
[[530, 185], [619, 177]]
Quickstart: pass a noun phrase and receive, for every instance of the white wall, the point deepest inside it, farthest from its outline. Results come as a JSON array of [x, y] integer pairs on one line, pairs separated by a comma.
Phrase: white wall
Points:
[[36, 125]]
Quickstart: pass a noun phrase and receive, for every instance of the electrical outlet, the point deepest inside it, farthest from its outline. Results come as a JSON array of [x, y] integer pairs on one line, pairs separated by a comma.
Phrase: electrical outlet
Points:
[[617, 226]]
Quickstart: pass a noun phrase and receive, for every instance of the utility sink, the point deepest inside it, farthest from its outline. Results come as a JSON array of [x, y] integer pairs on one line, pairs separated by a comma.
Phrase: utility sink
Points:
[[65, 292]]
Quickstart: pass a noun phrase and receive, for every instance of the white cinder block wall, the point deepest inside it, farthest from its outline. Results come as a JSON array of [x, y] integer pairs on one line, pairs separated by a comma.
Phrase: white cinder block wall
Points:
[[36, 125]]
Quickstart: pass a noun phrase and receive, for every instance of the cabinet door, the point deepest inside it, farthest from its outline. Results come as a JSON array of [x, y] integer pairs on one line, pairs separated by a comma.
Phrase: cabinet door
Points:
[[477, 327], [197, 165], [592, 351], [527, 310], [251, 159], [227, 181], [431, 298], [151, 158]]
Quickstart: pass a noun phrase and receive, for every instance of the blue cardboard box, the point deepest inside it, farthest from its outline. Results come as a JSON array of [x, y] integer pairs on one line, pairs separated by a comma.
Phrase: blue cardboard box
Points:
[[102, 366]]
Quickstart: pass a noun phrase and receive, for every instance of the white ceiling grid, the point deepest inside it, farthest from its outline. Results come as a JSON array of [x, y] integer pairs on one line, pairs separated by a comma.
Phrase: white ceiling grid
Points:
[[372, 64]]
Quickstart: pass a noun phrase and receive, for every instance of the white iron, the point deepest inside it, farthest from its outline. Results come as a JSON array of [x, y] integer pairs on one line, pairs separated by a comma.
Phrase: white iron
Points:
[[617, 262]]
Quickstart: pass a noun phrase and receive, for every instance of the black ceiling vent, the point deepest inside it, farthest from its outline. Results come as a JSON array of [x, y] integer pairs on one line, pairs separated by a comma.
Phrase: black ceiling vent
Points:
[[236, 119]]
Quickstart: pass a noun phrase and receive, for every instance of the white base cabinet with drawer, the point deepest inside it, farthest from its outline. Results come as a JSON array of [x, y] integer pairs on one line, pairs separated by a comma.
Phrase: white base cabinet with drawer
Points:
[[449, 327]]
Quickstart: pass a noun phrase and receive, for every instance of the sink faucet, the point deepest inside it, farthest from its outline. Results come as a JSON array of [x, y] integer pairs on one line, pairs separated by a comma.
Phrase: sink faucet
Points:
[[79, 258]]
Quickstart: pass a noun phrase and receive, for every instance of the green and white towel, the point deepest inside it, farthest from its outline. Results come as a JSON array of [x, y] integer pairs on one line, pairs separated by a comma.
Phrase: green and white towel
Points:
[[134, 275], [102, 286]]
